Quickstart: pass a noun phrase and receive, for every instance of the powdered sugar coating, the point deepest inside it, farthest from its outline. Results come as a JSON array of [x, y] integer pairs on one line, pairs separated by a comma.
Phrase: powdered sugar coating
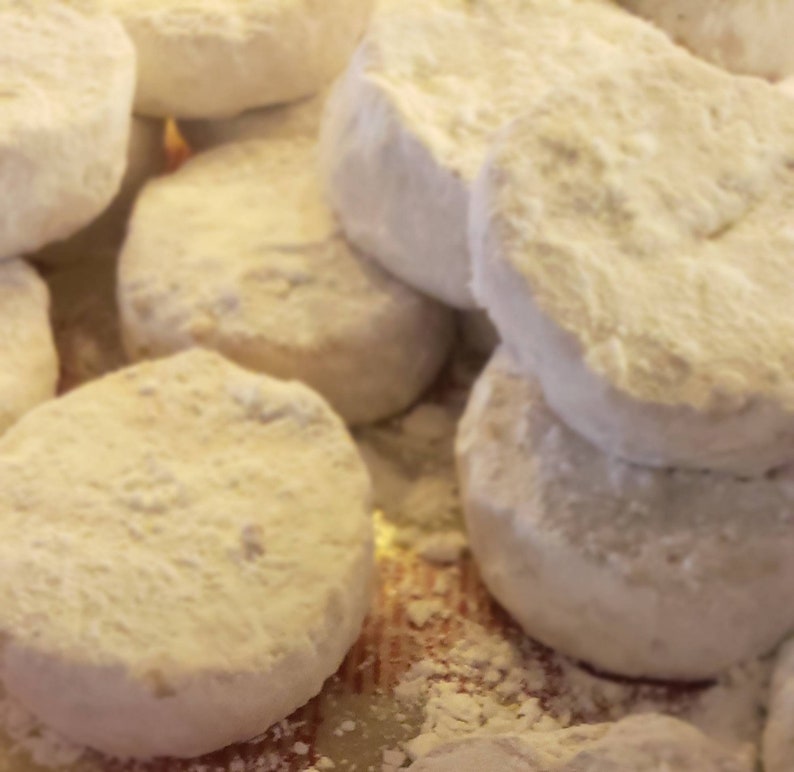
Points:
[[29, 370], [239, 252], [666, 574], [196, 547], [641, 267], [409, 123], [66, 80]]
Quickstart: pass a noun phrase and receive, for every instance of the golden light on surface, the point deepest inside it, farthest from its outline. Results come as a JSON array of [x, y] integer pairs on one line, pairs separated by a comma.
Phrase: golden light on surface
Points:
[[177, 150]]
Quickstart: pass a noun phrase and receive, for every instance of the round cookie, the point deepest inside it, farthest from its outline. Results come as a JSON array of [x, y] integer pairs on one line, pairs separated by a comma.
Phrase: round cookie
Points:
[[29, 371], [298, 119], [262, 53], [745, 36], [67, 81], [778, 738], [196, 547], [259, 270], [408, 125], [643, 743], [641, 268], [642, 572]]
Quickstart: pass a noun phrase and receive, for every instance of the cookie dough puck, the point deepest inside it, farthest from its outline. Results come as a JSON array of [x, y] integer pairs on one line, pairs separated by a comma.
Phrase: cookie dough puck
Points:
[[196, 547], [646, 573]]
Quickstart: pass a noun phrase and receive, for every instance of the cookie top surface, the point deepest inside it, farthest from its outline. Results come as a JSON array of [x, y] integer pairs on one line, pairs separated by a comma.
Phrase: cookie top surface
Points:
[[656, 233], [212, 513]]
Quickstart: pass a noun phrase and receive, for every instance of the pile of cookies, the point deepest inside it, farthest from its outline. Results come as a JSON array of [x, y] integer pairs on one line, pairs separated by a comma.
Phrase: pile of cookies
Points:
[[187, 547], [638, 277], [621, 209]]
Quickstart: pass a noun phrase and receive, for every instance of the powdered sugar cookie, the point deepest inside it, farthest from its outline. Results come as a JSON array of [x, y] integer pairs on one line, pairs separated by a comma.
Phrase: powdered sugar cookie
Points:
[[664, 574], [66, 80], [242, 511], [638, 259], [298, 119], [644, 743], [408, 125], [29, 370], [258, 270], [261, 53], [778, 742], [746, 36]]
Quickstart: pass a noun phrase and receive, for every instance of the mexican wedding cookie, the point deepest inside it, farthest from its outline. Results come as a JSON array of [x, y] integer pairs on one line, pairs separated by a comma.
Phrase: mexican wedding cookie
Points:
[[639, 260], [196, 547], [778, 740], [746, 36], [66, 82], [258, 269], [643, 743], [408, 125], [642, 572], [29, 370], [217, 58]]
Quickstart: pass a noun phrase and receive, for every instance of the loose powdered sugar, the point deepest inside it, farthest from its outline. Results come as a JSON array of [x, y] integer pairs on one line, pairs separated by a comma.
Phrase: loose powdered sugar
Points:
[[489, 683], [411, 460]]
